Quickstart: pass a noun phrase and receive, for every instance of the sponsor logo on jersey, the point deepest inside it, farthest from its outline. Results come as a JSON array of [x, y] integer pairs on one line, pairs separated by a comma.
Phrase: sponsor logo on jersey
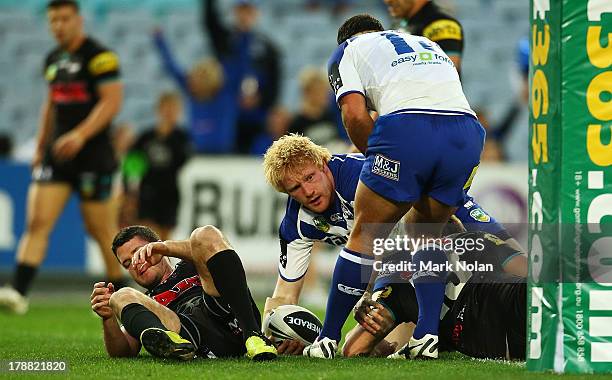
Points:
[[42, 173], [88, 185], [386, 167], [386, 292], [69, 93], [335, 80], [336, 217], [494, 239], [443, 30], [51, 73], [479, 215], [350, 290], [321, 223], [347, 210], [104, 63], [283, 254], [181, 287]]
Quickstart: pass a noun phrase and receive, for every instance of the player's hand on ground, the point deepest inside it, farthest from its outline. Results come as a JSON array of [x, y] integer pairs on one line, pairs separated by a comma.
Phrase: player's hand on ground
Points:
[[149, 255], [378, 320], [362, 310], [290, 347], [100, 297], [68, 145]]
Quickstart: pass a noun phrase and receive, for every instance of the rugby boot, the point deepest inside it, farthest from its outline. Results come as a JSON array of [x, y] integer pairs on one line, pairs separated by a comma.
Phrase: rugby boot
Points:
[[166, 344], [424, 348], [260, 348]]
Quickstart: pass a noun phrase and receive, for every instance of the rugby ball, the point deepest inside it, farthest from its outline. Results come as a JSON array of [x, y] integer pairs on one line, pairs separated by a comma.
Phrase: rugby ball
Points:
[[292, 322]]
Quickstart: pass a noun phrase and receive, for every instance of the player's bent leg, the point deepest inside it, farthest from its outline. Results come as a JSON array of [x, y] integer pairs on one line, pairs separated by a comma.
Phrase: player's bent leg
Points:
[[154, 325], [219, 264], [370, 207], [45, 204], [400, 335], [101, 224], [354, 265], [359, 342], [127, 296]]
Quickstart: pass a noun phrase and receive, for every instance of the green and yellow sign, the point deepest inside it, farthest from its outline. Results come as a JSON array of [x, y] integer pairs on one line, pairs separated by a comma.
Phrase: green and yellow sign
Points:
[[570, 189]]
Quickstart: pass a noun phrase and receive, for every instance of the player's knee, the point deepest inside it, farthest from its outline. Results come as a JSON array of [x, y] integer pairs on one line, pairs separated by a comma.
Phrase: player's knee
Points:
[[39, 225], [122, 297], [205, 240]]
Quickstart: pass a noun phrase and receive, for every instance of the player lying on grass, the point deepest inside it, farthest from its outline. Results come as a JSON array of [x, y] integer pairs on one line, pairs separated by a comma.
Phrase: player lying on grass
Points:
[[483, 314], [321, 189], [201, 306]]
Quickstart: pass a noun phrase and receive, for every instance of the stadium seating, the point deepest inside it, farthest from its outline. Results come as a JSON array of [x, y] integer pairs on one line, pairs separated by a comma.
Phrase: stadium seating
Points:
[[125, 25]]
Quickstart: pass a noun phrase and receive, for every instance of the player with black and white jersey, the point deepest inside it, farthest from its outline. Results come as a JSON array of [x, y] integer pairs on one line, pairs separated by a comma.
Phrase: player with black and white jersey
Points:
[[484, 310], [201, 306], [74, 151]]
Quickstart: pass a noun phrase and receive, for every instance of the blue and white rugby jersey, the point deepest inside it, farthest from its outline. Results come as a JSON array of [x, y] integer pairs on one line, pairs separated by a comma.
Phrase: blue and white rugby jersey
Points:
[[397, 72], [301, 227]]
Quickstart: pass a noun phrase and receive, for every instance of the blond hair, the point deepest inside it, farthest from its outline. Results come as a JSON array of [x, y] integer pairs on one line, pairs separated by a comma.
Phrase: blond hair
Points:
[[290, 152]]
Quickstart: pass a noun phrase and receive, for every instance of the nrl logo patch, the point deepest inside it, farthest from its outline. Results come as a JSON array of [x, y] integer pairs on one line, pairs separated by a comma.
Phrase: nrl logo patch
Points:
[[386, 167], [479, 215], [321, 223]]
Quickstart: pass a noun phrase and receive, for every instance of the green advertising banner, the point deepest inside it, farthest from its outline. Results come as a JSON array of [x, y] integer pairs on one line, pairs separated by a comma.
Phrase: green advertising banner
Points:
[[571, 310], [544, 182]]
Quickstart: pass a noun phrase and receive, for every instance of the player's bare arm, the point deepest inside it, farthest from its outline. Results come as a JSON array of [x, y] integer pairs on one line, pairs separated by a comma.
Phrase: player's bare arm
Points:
[[118, 342], [109, 105], [151, 254], [286, 293], [356, 119], [47, 114]]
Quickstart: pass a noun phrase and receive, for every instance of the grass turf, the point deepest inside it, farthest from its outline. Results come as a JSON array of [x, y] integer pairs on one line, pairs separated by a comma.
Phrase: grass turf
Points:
[[72, 333]]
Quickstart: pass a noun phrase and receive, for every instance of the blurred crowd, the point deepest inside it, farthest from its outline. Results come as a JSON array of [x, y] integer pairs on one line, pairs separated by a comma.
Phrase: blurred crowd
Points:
[[230, 99]]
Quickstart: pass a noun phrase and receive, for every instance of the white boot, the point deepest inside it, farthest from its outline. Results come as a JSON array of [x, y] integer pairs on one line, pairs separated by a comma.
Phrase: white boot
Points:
[[424, 348], [13, 301], [325, 349]]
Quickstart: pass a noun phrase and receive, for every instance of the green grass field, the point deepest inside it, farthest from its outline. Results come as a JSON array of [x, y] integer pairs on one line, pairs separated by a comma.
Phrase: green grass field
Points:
[[73, 334]]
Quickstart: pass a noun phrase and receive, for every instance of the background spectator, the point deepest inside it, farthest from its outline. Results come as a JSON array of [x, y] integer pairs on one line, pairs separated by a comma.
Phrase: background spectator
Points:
[[261, 80], [162, 151], [210, 90], [317, 116], [277, 125]]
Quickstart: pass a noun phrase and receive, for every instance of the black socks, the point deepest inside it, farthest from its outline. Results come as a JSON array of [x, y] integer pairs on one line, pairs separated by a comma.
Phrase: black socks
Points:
[[137, 318], [230, 280], [24, 275]]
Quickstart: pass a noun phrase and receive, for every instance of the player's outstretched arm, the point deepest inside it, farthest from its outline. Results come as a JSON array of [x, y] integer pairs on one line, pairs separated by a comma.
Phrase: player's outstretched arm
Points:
[[286, 293], [116, 341]]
